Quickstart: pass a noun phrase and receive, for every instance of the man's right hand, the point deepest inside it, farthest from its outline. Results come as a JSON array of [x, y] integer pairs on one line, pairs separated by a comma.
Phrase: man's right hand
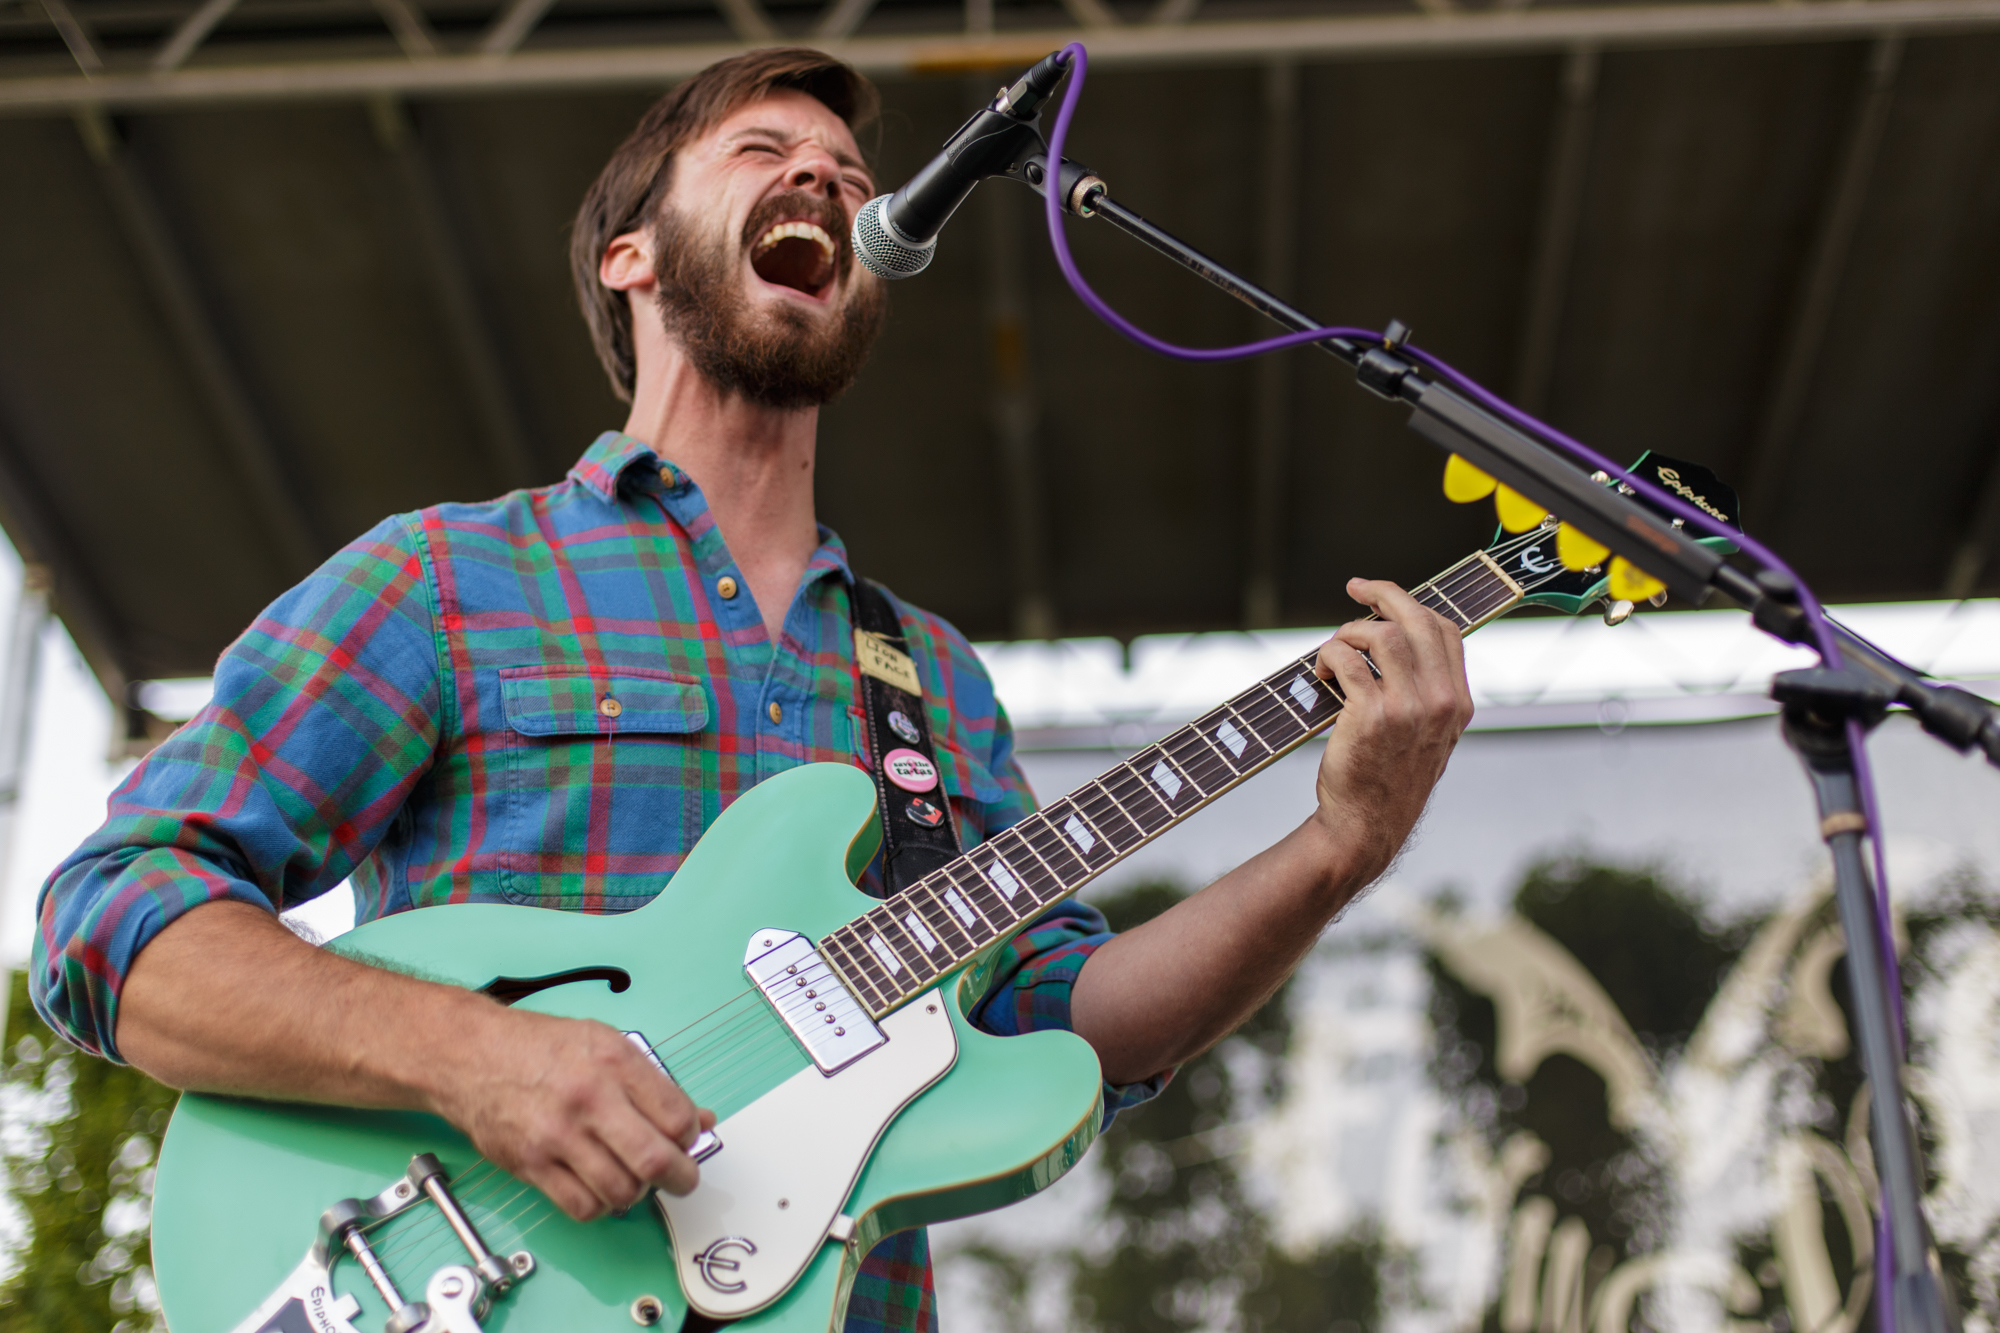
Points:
[[226, 1000], [573, 1108]]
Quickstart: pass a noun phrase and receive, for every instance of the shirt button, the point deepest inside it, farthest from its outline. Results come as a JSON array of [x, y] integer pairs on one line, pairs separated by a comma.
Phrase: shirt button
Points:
[[777, 711], [610, 707], [668, 479], [727, 587]]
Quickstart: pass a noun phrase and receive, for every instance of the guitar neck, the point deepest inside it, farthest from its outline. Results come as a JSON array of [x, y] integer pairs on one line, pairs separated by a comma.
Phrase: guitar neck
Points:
[[900, 947]]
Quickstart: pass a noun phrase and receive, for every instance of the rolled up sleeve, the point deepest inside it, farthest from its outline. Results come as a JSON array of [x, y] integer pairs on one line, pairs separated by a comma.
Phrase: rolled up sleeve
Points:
[[326, 713]]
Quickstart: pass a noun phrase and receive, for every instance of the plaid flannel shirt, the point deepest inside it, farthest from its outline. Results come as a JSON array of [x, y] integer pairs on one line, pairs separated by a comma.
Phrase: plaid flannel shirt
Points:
[[420, 718]]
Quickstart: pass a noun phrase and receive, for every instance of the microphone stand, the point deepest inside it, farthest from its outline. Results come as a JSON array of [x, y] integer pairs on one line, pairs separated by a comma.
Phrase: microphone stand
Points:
[[1825, 711]]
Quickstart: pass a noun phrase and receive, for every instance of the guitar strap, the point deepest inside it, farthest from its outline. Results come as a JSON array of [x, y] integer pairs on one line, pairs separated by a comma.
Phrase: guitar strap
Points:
[[917, 831]]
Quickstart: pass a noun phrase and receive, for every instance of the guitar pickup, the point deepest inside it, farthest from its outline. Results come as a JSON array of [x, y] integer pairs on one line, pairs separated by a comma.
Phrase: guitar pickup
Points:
[[811, 999], [706, 1145]]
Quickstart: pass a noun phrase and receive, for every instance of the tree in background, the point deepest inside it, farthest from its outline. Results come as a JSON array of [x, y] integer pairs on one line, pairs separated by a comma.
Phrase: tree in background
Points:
[[1193, 1251], [80, 1138]]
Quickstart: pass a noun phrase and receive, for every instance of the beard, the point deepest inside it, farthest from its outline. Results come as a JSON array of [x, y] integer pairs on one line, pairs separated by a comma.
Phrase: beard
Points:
[[778, 357]]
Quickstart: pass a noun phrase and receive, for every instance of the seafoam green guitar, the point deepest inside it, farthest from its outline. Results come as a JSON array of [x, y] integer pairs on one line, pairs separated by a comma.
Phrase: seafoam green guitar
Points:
[[826, 1030]]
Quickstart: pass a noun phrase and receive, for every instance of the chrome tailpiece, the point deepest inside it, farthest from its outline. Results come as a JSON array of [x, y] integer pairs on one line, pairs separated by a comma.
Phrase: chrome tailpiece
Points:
[[815, 1004], [455, 1298]]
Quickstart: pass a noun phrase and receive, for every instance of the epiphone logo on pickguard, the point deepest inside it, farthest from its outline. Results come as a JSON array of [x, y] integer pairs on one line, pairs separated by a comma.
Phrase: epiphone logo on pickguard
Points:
[[712, 1261]]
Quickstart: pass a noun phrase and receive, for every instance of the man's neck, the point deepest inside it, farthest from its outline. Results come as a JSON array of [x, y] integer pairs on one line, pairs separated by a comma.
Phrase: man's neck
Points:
[[753, 464]]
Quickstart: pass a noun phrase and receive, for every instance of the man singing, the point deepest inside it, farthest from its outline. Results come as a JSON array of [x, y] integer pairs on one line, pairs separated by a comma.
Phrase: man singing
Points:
[[429, 716]]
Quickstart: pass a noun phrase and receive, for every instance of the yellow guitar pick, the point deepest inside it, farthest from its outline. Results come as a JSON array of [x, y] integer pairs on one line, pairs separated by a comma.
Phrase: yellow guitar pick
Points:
[[1629, 583], [1464, 483], [1517, 512], [1577, 551]]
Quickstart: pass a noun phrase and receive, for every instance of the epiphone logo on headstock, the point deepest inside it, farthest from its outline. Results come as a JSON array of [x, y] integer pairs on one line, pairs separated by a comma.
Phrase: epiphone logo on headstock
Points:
[[1671, 479]]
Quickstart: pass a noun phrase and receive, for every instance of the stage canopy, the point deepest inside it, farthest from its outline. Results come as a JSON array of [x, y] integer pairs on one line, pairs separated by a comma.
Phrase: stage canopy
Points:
[[272, 269]]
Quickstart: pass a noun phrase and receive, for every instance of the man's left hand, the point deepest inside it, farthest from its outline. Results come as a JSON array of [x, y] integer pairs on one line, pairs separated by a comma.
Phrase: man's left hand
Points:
[[1398, 728]]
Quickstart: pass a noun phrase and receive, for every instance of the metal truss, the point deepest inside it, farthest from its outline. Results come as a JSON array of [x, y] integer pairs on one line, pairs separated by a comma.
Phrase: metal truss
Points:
[[501, 51]]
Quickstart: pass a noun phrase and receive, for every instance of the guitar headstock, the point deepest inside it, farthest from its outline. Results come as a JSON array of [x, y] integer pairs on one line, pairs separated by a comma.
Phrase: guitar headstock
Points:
[[1532, 560]]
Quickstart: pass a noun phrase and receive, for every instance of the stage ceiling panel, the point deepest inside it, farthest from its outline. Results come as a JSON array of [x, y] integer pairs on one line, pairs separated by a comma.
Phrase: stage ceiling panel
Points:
[[239, 328]]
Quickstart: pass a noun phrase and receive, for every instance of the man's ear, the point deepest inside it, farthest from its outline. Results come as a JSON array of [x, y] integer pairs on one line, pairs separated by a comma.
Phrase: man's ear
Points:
[[627, 265]]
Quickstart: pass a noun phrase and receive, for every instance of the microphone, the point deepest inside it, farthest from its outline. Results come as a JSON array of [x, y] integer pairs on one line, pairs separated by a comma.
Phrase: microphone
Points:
[[895, 235]]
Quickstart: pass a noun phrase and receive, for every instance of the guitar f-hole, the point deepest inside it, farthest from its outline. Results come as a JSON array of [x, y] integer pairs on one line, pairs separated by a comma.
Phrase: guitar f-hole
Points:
[[512, 990]]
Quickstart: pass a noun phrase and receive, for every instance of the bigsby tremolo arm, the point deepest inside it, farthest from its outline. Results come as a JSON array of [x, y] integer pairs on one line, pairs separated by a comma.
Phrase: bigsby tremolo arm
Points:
[[456, 1296]]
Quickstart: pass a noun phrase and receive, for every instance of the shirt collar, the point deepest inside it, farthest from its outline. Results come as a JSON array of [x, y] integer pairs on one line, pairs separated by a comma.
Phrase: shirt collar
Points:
[[610, 456], [615, 461]]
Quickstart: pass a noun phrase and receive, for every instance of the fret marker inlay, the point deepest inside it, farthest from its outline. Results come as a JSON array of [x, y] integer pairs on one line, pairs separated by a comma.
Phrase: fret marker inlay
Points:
[[957, 904], [1078, 834], [922, 932], [1166, 779], [1304, 694], [1003, 879], [1231, 737], [880, 948]]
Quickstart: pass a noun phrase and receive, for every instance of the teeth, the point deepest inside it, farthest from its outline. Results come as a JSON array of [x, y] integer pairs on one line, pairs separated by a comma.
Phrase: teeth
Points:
[[805, 230]]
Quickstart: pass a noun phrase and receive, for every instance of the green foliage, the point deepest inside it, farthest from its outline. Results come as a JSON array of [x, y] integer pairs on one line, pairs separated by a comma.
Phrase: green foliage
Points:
[[82, 1135], [1193, 1250]]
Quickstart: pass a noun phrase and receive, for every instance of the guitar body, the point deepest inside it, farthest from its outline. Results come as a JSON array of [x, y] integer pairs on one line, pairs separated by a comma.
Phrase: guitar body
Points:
[[941, 1121]]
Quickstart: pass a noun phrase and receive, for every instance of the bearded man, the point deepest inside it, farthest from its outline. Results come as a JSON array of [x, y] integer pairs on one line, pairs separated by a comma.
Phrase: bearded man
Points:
[[546, 698]]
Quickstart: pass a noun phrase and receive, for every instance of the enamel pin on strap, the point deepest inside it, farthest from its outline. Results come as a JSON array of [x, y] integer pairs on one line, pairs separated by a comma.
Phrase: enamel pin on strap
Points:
[[917, 831]]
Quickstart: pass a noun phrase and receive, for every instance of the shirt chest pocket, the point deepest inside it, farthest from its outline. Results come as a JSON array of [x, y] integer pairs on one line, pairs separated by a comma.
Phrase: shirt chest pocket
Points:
[[601, 783]]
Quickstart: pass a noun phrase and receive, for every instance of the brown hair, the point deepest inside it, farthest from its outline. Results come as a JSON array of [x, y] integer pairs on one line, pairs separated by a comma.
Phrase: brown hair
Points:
[[628, 190]]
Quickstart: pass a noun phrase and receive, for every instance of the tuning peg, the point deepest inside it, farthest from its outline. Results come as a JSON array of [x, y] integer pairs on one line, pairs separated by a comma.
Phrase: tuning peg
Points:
[[1618, 612], [1659, 598]]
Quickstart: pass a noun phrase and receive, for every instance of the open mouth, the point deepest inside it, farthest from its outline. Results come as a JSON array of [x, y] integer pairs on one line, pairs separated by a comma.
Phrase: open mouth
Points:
[[799, 255]]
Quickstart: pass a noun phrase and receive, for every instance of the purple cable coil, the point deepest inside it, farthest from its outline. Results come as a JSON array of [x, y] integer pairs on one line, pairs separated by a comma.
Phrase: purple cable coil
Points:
[[1078, 60]]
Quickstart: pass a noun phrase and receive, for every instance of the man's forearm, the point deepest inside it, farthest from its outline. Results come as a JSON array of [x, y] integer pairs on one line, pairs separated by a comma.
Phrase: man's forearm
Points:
[[1165, 991], [225, 999]]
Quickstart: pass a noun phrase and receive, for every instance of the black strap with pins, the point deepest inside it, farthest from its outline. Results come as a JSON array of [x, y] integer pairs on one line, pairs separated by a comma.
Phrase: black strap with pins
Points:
[[918, 835]]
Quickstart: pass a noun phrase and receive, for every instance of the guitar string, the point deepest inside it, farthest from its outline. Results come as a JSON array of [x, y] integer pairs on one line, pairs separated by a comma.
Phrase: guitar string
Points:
[[484, 1180]]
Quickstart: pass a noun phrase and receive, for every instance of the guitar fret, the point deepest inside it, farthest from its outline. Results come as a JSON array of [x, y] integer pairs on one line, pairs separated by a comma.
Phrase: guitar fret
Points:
[[859, 976], [944, 922], [1194, 754], [1255, 709], [1107, 816], [1294, 730], [995, 901], [1052, 850], [878, 976], [963, 895], [1445, 606], [1241, 732], [901, 944], [1152, 813], [1081, 832], [1031, 871]]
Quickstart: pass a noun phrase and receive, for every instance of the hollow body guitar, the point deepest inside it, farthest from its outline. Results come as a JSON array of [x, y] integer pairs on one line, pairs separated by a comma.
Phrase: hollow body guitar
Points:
[[826, 1029]]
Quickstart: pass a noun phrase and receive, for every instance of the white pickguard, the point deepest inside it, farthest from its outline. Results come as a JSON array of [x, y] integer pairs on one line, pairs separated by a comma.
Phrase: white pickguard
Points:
[[789, 1160]]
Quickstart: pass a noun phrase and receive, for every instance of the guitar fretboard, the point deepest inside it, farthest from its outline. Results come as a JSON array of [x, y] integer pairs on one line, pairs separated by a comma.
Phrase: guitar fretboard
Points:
[[898, 948]]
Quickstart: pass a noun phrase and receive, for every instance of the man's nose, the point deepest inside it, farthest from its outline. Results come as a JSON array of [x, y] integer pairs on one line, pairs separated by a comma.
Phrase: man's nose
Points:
[[815, 169]]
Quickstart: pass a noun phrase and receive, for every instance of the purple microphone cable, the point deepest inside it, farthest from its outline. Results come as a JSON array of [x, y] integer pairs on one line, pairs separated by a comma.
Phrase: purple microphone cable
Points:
[[1822, 634]]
